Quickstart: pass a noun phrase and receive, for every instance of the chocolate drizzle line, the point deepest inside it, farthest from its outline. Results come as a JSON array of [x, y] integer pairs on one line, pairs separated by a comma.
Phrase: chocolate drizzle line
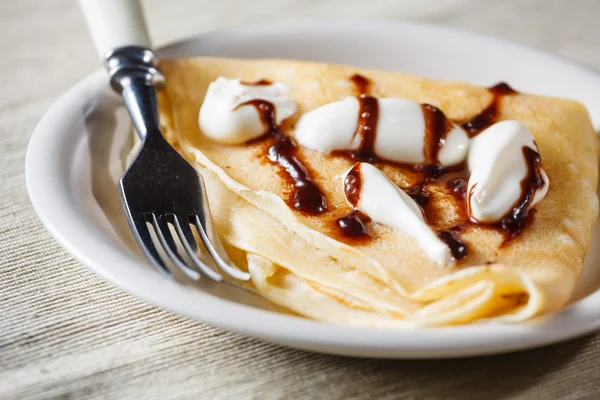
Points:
[[361, 83], [513, 223], [306, 195], [455, 179], [457, 248], [489, 114], [368, 113], [458, 188], [353, 185], [437, 127], [502, 88], [260, 82], [355, 223]]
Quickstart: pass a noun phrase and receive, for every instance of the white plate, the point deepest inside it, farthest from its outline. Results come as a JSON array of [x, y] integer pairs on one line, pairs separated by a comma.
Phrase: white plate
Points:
[[69, 170]]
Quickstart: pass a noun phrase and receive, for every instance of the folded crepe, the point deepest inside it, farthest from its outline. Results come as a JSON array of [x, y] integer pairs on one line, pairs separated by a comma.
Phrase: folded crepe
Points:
[[299, 261]]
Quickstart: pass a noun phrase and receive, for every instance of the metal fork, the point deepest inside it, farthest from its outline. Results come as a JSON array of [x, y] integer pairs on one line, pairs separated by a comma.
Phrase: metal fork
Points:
[[160, 188]]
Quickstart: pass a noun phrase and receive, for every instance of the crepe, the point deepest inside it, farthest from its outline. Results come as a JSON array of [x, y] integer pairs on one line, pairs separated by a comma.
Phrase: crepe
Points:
[[300, 262]]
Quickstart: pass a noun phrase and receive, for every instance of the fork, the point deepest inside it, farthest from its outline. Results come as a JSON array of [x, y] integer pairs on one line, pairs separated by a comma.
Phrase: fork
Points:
[[161, 192]]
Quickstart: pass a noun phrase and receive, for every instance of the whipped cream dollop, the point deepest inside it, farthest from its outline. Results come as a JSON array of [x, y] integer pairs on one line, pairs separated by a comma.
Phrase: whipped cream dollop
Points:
[[372, 193], [401, 129], [499, 169], [225, 118]]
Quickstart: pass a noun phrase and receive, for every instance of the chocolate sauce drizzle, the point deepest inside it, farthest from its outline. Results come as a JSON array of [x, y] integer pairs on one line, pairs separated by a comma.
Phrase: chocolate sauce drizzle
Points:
[[520, 215], [513, 223], [260, 82], [457, 248], [306, 195], [368, 113], [353, 185], [354, 224], [437, 127], [458, 188], [308, 198], [489, 114], [361, 83]]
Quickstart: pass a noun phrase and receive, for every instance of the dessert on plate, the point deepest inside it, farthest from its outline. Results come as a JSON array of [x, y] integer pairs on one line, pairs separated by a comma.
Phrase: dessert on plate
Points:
[[374, 198]]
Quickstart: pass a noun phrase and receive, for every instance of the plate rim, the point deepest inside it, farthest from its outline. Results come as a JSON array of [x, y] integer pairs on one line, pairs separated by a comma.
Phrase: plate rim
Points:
[[45, 168]]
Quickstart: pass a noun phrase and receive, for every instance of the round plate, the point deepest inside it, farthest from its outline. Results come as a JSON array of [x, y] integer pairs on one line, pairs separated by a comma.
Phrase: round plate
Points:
[[72, 168]]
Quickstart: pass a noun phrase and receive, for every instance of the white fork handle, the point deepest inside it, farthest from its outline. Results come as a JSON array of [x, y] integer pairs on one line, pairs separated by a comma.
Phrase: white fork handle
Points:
[[115, 23]]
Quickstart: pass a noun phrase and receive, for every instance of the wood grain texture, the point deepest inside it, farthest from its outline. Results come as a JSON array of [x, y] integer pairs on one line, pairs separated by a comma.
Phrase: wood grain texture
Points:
[[65, 333]]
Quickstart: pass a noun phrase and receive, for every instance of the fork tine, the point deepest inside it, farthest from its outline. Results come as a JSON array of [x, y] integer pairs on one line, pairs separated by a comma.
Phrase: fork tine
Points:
[[214, 246], [166, 240], [142, 235], [182, 227]]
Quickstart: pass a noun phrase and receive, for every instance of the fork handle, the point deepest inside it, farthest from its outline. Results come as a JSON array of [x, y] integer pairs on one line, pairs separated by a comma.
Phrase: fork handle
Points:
[[133, 74], [115, 23], [121, 38]]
